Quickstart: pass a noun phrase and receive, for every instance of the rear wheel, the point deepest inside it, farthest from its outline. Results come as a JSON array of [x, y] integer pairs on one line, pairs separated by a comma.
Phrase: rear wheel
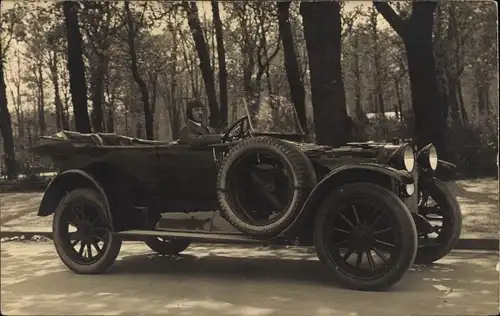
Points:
[[366, 236], [167, 247], [441, 209], [83, 237]]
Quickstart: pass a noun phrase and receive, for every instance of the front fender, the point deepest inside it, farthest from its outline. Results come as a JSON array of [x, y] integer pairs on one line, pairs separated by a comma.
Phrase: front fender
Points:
[[446, 171], [446, 165], [362, 172], [65, 182]]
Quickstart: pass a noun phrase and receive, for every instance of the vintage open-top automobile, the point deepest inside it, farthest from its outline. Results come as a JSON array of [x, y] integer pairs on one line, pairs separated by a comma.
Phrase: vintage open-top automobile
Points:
[[364, 206]]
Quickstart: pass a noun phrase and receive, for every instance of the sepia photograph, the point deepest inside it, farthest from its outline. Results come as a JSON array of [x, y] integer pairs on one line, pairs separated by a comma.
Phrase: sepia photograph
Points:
[[253, 158]]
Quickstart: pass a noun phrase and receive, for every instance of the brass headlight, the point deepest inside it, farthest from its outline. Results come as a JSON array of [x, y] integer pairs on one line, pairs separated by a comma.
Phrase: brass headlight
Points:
[[409, 158], [427, 157], [403, 158]]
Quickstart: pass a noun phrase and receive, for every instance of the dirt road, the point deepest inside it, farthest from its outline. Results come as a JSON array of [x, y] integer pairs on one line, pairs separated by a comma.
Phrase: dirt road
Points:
[[210, 280]]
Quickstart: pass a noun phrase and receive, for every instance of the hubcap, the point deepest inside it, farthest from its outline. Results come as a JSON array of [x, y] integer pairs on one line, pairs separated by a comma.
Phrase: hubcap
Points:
[[362, 238]]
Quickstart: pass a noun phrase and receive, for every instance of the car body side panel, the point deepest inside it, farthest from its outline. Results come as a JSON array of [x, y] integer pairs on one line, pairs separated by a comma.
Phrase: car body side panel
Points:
[[187, 178], [186, 221]]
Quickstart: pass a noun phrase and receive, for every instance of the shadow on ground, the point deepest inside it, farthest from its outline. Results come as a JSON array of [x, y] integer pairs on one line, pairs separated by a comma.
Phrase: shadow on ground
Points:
[[245, 281]]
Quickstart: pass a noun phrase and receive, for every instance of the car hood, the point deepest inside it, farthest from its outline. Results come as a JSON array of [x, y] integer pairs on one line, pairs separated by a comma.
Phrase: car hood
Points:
[[372, 151]]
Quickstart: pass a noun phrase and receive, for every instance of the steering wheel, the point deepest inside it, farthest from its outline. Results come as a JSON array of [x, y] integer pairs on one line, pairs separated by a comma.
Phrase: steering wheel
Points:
[[239, 130]]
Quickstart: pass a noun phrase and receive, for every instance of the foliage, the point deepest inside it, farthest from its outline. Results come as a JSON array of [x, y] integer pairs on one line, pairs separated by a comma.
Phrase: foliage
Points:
[[168, 62]]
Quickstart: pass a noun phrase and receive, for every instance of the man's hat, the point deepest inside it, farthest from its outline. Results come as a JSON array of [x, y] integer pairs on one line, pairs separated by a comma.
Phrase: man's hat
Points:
[[192, 104]]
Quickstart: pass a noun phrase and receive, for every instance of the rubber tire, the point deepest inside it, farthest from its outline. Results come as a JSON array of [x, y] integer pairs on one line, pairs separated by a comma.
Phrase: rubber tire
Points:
[[304, 180], [114, 246], [408, 233], [169, 248], [443, 196]]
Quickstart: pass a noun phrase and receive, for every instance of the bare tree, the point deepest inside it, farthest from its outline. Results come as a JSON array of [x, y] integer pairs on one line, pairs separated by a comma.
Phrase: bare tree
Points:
[[295, 83], [76, 67]]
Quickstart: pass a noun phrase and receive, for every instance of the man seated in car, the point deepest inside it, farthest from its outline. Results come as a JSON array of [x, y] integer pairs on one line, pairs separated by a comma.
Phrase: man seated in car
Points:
[[195, 132]]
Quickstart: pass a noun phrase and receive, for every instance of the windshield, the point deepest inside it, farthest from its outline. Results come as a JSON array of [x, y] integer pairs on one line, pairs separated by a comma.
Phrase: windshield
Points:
[[273, 114]]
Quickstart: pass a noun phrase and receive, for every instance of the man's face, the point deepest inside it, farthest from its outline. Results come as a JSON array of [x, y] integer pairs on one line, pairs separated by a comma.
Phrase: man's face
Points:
[[199, 114]]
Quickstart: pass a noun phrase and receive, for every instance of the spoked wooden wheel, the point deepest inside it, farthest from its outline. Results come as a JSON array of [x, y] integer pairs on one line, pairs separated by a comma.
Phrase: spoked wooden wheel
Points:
[[438, 206], [366, 235], [82, 233]]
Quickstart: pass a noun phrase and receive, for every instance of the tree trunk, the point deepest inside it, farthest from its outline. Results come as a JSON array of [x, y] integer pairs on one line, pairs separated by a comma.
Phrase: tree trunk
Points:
[[6, 127], [430, 125], [360, 115], [18, 110], [148, 115], [204, 58], [322, 32], [41, 102], [461, 105], [454, 107], [221, 55], [416, 32], [400, 99], [98, 77], [61, 122], [292, 68], [174, 105], [76, 68]]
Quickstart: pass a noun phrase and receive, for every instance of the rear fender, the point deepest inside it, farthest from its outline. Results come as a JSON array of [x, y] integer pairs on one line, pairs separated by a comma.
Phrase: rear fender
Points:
[[65, 182], [363, 172]]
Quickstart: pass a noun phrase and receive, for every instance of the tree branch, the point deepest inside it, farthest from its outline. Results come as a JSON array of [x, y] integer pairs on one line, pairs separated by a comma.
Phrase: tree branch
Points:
[[394, 20]]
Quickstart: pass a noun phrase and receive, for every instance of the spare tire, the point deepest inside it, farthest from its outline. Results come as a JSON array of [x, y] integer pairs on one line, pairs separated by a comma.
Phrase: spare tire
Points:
[[248, 200]]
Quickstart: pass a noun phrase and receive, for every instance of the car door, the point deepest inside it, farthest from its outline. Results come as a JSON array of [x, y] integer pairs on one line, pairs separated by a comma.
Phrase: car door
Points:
[[187, 175]]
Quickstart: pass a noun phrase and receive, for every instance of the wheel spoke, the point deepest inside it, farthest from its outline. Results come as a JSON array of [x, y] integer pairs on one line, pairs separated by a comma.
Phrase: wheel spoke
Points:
[[347, 254], [341, 230], [82, 248], [383, 230], [76, 214], [89, 251], [98, 237], [74, 236], [380, 255], [370, 260], [425, 210], [355, 213], [358, 259], [384, 243], [96, 246], [341, 242], [74, 242], [346, 219], [376, 220]]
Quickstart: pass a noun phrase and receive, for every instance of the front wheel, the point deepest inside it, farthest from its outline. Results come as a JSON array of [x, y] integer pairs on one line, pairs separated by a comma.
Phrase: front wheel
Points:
[[82, 233], [441, 209], [366, 236]]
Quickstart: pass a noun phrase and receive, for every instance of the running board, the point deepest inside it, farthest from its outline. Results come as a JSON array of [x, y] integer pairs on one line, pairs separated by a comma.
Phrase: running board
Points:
[[200, 237]]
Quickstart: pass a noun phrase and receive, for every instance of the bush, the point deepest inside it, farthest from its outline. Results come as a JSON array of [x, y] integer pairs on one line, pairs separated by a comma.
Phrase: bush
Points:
[[472, 148]]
